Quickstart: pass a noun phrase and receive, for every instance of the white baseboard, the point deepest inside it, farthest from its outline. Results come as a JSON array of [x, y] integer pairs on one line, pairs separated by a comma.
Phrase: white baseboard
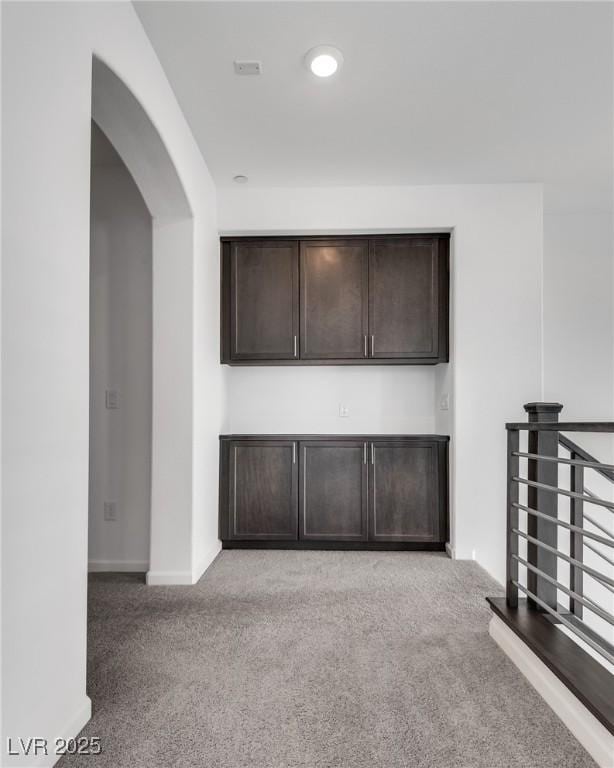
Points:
[[117, 566], [183, 578], [70, 731], [450, 551], [205, 561], [593, 736], [168, 578]]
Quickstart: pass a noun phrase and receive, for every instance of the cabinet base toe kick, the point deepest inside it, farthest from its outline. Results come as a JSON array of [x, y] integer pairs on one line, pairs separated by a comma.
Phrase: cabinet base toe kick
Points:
[[384, 492], [369, 546]]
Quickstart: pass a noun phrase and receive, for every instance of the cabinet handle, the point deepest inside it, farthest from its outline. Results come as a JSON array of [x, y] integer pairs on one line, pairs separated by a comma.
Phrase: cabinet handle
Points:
[[372, 454], [294, 453], [295, 345], [366, 352], [372, 344], [364, 453]]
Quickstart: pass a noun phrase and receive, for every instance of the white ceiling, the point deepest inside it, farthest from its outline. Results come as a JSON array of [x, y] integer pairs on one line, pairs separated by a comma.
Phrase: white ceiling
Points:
[[429, 93]]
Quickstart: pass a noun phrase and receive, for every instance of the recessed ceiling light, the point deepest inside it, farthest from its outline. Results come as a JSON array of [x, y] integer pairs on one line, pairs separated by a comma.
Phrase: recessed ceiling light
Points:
[[324, 60], [240, 179]]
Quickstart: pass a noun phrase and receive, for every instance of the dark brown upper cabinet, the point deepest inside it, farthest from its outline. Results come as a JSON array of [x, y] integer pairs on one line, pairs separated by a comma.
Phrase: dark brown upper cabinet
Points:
[[334, 299], [403, 298], [264, 300], [360, 300]]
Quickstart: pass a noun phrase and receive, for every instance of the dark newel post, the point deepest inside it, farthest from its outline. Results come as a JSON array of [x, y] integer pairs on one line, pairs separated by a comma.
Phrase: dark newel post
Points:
[[546, 502]]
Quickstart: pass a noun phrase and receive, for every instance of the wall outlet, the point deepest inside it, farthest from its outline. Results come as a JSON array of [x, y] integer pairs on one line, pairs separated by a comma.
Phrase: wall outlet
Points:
[[111, 399], [110, 510], [444, 403], [344, 411]]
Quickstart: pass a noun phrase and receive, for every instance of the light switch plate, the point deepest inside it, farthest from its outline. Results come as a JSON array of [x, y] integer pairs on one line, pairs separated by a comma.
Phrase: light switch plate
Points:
[[110, 510], [344, 411], [444, 403], [111, 399]]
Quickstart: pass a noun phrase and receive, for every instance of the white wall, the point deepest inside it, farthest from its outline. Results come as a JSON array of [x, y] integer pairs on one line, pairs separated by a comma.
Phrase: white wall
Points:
[[46, 105], [305, 400], [496, 286], [120, 360], [578, 319]]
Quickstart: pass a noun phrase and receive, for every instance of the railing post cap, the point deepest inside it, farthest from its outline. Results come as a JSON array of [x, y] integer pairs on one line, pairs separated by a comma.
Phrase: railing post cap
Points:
[[543, 411]]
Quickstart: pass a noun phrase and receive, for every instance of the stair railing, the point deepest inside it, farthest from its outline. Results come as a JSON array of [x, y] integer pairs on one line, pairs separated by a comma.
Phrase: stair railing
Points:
[[541, 537]]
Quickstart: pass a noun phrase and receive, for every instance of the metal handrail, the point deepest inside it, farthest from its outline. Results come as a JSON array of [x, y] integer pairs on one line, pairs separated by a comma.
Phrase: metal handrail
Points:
[[542, 562], [586, 456], [562, 426]]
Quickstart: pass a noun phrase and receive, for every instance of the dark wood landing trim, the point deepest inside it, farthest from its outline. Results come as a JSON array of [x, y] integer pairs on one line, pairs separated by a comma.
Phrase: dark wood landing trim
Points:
[[586, 678], [376, 546]]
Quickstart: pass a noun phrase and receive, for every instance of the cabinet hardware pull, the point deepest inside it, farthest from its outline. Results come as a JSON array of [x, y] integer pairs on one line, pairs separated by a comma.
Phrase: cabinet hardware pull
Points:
[[372, 344], [294, 453], [364, 453], [295, 345], [372, 454], [366, 352]]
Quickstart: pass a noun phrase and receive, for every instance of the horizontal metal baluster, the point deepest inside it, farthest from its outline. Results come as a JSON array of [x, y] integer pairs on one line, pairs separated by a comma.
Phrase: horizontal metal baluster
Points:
[[544, 487], [572, 462], [597, 552], [590, 604], [575, 528], [571, 560], [588, 640], [602, 528], [598, 580]]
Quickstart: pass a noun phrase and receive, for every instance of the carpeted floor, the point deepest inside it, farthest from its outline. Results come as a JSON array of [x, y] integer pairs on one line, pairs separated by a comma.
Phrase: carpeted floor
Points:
[[312, 660]]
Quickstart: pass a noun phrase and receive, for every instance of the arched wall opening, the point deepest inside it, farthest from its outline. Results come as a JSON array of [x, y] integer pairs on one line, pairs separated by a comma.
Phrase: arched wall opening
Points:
[[121, 118]]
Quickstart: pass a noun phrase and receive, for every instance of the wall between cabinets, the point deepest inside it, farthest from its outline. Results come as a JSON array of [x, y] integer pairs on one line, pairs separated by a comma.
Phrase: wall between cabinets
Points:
[[496, 276], [307, 399]]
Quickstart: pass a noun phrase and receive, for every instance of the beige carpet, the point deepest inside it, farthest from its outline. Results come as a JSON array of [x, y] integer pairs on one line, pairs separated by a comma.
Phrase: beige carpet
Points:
[[312, 660]]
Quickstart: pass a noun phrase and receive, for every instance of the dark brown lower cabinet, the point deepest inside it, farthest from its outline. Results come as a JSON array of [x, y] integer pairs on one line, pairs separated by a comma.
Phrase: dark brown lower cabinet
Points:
[[262, 490], [331, 491], [404, 492]]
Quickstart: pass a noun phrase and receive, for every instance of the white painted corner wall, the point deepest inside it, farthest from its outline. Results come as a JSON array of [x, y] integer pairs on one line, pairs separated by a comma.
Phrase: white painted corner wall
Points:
[[47, 107]]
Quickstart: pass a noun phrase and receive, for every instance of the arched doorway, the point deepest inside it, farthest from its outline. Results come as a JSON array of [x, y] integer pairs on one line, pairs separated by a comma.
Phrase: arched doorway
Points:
[[121, 118]]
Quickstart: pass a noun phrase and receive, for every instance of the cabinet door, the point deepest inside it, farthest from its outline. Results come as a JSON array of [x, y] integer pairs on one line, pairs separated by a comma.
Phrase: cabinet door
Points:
[[264, 300], [404, 297], [404, 492], [262, 490], [333, 496], [334, 299]]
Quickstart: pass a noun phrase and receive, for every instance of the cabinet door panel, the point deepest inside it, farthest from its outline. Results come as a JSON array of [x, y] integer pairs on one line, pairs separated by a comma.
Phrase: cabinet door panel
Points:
[[264, 300], [333, 496], [334, 299], [404, 492], [263, 490], [403, 297]]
